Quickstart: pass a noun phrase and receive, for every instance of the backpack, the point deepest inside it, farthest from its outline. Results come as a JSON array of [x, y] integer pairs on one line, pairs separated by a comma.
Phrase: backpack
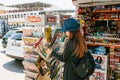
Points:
[[85, 66]]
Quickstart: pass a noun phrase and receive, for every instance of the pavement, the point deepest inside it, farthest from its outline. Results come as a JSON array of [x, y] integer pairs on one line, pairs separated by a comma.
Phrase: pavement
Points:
[[10, 69]]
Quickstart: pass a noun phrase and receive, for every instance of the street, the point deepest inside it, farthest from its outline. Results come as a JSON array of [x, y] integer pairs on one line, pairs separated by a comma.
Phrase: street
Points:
[[10, 69]]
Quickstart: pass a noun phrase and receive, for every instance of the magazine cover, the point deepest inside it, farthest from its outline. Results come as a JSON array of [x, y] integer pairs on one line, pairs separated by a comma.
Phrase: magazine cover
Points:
[[40, 48], [31, 75], [29, 41], [54, 43], [32, 32], [50, 68], [49, 65], [48, 34], [100, 72], [31, 66], [50, 20], [56, 39], [29, 50]]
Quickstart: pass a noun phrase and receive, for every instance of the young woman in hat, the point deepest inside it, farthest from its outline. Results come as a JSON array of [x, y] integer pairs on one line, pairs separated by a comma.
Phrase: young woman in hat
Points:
[[75, 46]]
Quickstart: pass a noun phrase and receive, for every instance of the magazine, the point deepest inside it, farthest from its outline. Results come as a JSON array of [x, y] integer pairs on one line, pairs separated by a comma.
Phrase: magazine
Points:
[[100, 72], [50, 68], [40, 48], [42, 44], [48, 34], [32, 32], [29, 41]]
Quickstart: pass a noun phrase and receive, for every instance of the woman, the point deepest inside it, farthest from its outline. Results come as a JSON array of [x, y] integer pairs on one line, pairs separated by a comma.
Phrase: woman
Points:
[[75, 48], [98, 62]]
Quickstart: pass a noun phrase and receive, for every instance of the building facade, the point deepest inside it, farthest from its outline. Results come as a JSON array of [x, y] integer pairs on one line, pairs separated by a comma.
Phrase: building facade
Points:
[[17, 16]]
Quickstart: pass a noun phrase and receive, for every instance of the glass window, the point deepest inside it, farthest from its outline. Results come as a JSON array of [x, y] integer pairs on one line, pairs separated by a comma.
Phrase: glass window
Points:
[[15, 16], [21, 15], [34, 13], [18, 16], [12, 16], [28, 14], [9, 16], [9, 33], [4, 16], [17, 36], [31, 13], [24, 15]]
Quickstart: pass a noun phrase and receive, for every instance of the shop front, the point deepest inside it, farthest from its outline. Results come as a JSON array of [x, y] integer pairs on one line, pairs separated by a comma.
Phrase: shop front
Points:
[[103, 38]]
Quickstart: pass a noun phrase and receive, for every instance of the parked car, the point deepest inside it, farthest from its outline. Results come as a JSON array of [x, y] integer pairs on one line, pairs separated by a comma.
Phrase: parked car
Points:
[[7, 35], [14, 46]]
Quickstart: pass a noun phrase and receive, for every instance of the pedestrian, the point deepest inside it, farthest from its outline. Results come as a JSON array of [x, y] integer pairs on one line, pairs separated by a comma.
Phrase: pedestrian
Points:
[[75, 46]]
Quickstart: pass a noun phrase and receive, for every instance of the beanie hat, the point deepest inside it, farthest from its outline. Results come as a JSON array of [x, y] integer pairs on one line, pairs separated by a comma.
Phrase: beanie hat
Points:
[[70, 25]]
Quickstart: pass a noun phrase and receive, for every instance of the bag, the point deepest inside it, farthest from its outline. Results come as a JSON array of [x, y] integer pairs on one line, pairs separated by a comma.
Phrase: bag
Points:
[[85, 66]]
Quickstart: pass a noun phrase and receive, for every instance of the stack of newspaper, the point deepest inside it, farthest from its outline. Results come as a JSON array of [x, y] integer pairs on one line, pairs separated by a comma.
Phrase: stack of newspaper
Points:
[[31, 58], [37, 63]]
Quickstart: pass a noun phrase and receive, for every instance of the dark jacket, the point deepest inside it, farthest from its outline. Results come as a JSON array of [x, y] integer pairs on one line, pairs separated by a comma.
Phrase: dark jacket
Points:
[[68, 73]]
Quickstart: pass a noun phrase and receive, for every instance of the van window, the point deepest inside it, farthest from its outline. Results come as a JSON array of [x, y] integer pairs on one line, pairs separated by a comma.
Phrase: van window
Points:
[[17, 36]]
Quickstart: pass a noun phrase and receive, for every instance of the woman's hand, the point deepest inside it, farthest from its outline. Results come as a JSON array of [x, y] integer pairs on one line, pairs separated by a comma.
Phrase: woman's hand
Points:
[[49, 51], [43, 64]]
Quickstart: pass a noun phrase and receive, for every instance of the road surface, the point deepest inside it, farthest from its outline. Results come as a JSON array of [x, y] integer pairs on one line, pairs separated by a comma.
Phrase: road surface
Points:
[[10, 69]]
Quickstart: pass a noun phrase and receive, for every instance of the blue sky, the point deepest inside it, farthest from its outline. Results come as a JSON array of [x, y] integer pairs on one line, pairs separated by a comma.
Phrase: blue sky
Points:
[[59, 3]]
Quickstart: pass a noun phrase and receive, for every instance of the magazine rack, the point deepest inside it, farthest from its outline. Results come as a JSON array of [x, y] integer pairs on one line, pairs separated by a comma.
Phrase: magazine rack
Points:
[[35, 56]]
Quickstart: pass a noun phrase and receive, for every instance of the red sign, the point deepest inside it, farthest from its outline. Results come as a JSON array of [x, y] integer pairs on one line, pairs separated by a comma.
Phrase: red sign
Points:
[[66, 17], [51, 19], [74, 0], [79, 10], [34, 18]]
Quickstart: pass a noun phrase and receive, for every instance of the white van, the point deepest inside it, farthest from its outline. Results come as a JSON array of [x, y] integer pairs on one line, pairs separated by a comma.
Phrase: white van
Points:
[[15, 46]]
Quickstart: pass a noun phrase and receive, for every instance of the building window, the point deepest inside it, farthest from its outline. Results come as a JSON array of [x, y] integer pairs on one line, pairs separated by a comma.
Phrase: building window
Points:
[[28, 14], [34, 13], [39, 13], [31, 13], [23, 24], [12, 16], [15, 16], [4, 16], [9, 16], [21, 15], [24, 15], [18, 15]]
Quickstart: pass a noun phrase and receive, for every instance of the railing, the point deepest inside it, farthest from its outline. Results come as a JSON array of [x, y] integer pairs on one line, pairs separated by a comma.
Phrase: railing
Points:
[[24, 10]]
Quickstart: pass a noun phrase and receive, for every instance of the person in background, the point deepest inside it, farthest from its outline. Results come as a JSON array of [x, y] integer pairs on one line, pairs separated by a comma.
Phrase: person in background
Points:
[[75, 47]]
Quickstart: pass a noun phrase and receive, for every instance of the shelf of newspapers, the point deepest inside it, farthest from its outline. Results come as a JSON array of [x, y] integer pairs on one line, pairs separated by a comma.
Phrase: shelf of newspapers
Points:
[[106, 57], [102, 35], [107, 61], [100, 56], [39, 65], [101, 68], [109, 43], [31, 58]]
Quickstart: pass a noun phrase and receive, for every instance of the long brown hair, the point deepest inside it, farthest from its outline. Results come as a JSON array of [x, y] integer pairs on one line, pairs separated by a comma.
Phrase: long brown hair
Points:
[[78, 43]]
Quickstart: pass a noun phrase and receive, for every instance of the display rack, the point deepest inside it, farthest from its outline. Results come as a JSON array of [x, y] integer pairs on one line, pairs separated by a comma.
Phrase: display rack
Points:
[[35, 45], [31, 58], [103, 25]]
